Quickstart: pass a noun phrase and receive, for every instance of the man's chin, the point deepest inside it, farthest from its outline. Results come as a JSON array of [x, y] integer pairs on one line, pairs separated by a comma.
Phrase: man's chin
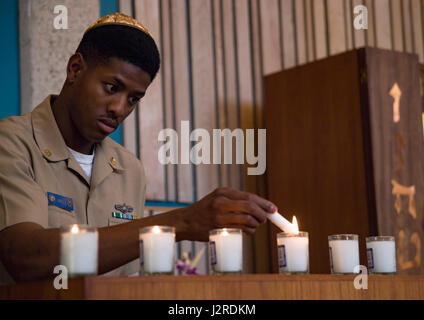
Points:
[[98, 137]]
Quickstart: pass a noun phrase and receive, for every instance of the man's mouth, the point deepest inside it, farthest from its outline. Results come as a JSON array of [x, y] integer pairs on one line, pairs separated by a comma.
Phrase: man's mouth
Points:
[[107, 125]]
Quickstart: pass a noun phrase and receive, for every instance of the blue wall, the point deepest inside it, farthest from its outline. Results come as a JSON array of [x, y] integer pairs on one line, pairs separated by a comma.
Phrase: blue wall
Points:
[[106, 7], [9, 59]]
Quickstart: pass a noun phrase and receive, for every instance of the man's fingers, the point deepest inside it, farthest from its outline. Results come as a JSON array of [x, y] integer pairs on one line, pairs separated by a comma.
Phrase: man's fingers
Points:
[[240, 219], [249, 208], [233, 194]]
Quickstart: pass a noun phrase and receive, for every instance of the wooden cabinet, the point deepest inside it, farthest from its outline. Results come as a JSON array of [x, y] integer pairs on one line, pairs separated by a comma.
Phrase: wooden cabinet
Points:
[[345, 152]]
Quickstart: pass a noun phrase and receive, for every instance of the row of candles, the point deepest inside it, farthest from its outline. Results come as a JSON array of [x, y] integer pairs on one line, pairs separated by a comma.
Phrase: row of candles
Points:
[[79, 250], [293, 253]]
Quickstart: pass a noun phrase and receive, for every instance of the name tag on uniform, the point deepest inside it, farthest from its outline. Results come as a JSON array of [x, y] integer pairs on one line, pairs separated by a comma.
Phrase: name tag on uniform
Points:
[[60, 201]]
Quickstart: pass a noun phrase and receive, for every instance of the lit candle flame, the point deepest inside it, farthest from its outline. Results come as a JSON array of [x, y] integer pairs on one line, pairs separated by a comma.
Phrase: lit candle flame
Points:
[[156, 229], [295, 225], [74, 229], [225, 232]]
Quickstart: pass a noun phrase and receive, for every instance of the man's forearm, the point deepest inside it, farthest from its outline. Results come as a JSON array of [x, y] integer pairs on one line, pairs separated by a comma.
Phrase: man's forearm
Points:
[[30, 252]]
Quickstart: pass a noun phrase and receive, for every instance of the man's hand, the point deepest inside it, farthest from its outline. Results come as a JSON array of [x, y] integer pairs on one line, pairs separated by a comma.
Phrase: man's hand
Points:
[[224, 207]]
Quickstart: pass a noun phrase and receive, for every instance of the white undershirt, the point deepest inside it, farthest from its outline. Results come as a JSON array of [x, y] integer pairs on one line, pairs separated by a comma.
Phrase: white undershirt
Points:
[[85, 161]]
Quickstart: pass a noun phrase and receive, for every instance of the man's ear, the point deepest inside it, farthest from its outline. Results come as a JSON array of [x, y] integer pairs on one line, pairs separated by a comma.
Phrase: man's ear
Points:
[[76, 66]]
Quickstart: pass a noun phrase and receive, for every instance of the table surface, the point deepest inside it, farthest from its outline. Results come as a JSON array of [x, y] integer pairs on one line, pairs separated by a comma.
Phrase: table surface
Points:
[[228, 287]]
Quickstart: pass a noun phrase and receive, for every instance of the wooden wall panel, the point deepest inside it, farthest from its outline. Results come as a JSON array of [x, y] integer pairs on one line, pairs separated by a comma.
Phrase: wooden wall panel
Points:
[[232, 86], [125, 7], [358, 35], [129, 127], [151, 114], [348, 21], [382, 24], [258, 68], [301, 38], [271, 38], [245, 77], [397, 24], [257, 79], [171, 191], [319, 32], [417, 28], [320, 29], [407, 25], [220, 81], [181, 80], [370, 33], [288, 34], [203, 87], [310, 43], [336, 26]]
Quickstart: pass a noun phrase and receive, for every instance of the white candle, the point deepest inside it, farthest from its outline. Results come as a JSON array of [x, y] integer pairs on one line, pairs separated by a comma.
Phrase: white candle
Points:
[[344, 253], [226, 250], [79, 250], [381, 254], [283, 223], [157, 250], [293, 252]]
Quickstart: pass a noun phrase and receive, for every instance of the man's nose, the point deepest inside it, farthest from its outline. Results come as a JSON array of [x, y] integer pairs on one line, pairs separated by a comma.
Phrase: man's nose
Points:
[[118, 106]]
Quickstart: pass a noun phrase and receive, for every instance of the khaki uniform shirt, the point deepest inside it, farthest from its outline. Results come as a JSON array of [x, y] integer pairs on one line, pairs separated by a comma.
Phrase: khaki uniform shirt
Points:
[[35, 160]]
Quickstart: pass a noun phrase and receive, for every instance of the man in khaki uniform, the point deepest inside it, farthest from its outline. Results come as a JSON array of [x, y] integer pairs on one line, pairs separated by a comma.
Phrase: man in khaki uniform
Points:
[[58, 167]]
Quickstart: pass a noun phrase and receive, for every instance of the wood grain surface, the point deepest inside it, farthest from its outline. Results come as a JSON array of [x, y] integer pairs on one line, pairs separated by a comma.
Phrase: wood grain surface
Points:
[[242, 287]]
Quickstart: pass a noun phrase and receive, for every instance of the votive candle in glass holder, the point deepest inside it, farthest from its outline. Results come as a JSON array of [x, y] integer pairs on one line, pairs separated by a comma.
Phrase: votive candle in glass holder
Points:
[[293, 253], [79, 250], [157, 250], [344, 253], [226, 251], [381, 254]]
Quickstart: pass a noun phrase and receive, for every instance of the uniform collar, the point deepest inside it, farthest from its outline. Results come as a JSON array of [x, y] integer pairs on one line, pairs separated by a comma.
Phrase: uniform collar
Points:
[[53, 147], [47, 134]]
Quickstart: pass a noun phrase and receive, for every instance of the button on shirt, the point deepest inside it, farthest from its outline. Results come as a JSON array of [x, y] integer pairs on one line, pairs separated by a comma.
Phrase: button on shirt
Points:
[[34, 161]]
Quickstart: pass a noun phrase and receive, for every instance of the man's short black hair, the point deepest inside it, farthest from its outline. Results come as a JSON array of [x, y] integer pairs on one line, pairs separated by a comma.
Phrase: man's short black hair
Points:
[[126, 43]]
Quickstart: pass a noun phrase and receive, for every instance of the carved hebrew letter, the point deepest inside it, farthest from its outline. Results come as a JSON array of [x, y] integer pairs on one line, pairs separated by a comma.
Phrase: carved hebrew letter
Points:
[[396, 93], [415, 240], [400, 190]]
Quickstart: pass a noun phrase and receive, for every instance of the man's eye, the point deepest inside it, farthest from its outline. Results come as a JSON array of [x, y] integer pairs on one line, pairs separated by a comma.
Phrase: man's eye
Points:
[[134, 100], [111, 88]]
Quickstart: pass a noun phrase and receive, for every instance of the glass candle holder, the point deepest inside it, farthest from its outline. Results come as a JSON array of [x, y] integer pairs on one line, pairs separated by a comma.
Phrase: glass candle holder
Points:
[[344, 253], [226, 251], [293, 253], [381, 254], [79, 250], [157, 250]]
